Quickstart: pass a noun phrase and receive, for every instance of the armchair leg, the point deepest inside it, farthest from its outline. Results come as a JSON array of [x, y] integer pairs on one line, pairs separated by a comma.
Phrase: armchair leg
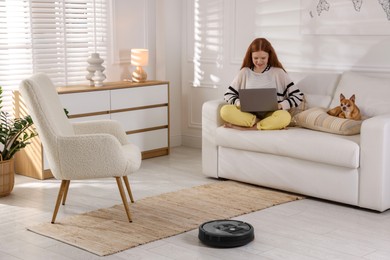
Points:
[[64, 183], [65, 192], [126, 180], [123, 196]]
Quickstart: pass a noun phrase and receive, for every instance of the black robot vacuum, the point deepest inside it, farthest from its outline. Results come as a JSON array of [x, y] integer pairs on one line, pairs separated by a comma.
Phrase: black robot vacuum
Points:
[[226, 233]]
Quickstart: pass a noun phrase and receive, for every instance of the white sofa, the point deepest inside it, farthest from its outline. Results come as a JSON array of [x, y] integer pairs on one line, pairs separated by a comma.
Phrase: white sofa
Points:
[[351, 169]]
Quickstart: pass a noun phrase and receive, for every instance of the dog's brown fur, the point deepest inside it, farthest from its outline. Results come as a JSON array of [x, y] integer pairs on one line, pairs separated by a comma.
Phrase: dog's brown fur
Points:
[[347, 109]]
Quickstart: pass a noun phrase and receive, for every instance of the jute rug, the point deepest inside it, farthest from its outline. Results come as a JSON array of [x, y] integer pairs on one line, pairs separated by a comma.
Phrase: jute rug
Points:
[[107, 231]]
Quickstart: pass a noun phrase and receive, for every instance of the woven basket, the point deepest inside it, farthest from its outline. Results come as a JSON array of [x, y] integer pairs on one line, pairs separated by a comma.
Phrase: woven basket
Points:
[[7, 177]]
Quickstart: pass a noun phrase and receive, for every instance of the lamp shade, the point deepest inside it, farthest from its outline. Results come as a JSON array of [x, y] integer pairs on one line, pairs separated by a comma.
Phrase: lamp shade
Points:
[[139, 57]]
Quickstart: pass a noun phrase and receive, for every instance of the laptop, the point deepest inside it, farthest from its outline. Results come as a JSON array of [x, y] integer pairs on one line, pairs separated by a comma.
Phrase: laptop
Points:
[[258, 99]]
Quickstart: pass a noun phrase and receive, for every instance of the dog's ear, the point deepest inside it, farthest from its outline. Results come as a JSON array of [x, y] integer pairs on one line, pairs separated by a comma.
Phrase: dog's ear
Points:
[[342, 97], [352, 98]]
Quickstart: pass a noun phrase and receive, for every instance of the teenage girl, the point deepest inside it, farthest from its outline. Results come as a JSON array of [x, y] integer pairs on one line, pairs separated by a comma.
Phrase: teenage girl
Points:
[[261, 68]]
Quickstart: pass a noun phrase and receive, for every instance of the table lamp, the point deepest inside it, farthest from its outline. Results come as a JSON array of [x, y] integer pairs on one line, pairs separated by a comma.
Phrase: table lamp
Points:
[[139, 58]]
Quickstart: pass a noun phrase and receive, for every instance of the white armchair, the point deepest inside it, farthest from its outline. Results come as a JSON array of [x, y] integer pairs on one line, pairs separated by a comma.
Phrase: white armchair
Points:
[[78, 151]]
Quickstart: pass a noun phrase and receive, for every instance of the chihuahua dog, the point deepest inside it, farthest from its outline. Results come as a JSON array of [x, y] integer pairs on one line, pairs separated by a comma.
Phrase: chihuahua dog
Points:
[[347, 109]]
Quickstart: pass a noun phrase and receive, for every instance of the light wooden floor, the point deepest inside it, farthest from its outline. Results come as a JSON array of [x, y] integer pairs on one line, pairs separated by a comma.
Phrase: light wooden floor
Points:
[[306, 229]]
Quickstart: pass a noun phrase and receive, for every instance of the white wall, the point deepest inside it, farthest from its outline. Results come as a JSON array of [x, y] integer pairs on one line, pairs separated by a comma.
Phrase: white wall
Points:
[[133, 25], [218, 32], [168, 55], [155, 25]]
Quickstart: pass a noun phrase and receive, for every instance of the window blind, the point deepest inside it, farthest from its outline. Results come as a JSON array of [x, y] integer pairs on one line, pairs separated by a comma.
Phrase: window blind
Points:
[[51, 36]]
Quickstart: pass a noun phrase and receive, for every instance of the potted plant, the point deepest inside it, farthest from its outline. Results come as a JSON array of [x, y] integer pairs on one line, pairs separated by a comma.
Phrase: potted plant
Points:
[[15, 134]]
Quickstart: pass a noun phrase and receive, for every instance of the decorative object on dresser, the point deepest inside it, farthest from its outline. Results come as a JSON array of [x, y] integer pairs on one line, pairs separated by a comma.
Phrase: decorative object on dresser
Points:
[[95, 70], [15, 135], [141, 108], [79, 151], [98, 78], [139, 58]]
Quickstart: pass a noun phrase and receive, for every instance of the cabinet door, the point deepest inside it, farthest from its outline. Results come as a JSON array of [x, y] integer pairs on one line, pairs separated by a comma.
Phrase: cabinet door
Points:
[[142, 118], [139, 96], [86, 102], [150, 140]]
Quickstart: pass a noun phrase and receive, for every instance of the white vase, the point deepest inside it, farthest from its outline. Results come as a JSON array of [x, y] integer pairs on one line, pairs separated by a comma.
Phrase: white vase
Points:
[[94, 64], [98, 78]]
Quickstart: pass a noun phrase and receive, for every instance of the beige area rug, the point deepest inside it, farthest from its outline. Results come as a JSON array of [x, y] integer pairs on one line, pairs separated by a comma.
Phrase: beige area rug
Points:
[[107, 231]]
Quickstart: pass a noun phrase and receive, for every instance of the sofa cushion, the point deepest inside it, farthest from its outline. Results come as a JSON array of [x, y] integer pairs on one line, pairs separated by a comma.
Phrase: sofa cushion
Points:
[[318, 88], [372, 93], [317, 118], [295, 142]]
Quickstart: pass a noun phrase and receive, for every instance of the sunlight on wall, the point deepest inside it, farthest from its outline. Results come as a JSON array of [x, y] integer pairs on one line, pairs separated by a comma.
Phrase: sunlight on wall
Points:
[[208, 32]]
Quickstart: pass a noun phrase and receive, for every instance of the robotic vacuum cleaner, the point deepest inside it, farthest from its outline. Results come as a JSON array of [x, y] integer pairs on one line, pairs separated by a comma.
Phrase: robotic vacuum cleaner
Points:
[[226, 233]]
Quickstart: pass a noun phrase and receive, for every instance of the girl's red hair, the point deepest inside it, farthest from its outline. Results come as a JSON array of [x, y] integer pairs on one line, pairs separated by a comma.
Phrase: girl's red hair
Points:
[[261, 44]]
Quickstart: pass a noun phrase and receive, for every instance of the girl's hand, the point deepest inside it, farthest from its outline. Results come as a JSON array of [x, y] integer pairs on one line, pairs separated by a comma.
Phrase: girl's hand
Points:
[[280, 106]]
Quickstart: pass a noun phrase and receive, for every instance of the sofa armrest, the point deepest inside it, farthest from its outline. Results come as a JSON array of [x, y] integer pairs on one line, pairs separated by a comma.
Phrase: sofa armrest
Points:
[[211, 120], [374, 186]]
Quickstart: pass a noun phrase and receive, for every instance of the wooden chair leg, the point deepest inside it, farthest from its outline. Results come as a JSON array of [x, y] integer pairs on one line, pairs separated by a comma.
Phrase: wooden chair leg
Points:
[[126, 180], [66, 192], [59, 198], [123, 196]]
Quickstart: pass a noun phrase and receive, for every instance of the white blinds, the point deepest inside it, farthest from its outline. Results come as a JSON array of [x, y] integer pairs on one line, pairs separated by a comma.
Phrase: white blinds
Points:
[[51, 36]]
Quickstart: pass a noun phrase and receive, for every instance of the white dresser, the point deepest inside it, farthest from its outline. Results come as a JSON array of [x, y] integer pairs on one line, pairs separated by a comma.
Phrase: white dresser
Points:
[[142, 108]]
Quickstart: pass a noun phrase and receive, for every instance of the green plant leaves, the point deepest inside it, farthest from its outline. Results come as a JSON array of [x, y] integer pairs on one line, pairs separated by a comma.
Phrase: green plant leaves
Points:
[[14, 133]]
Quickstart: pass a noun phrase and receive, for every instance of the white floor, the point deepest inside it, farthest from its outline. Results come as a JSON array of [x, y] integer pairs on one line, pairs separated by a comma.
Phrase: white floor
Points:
[[306, 229]]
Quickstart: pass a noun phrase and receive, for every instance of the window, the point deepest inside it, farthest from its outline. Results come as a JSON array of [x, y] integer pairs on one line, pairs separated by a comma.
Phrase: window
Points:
[[51, 36]]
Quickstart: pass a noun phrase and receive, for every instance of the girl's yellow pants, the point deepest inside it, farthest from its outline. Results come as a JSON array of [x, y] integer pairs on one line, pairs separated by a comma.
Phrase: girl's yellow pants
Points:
[[273, 121]]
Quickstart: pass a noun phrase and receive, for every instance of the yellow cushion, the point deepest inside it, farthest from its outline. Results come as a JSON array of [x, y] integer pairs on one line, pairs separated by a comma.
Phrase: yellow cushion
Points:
[[316, 118]]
